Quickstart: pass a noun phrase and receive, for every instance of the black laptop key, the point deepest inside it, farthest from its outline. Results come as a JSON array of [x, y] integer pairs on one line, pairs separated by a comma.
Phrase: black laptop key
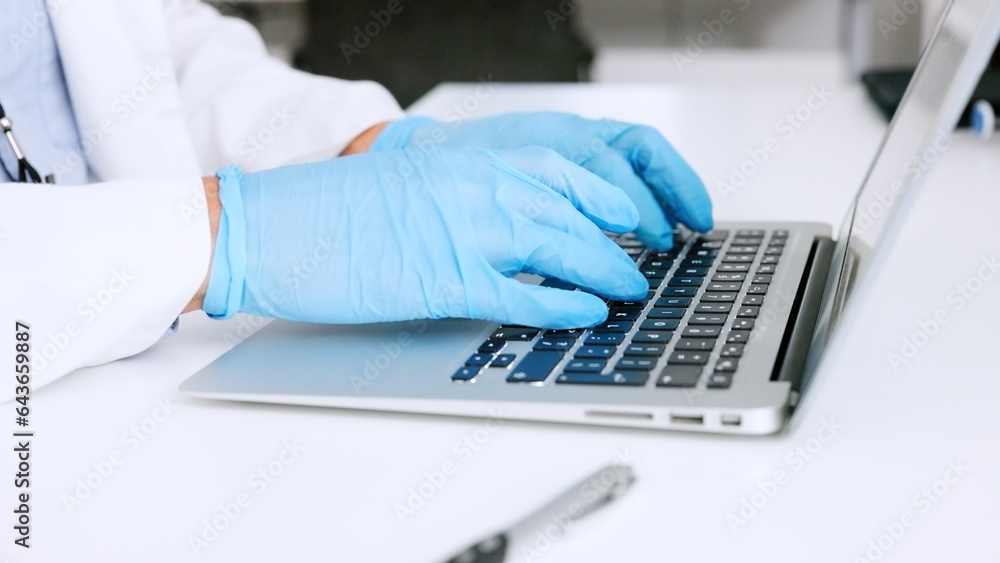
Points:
[[754, 300], [707, 319], [653, 263], [738, 258], [738, 337], [665, 313], [734, 267], [719, 297], [573, 333], [716, 244], [652, 336], [619, 314], [729, 276], [613, 326], [605, 338], [535, 367], [586, 365], [679, 291], [672, 302], [727, 364], [618, 377], [688, 357], [769, 260], [691, 271], [743, 324], [761, 278], [720, 380], [466, 373], [747, 240], [757, 289], [594, 352], [773, 251], [503, 360], [724, 286], [780, 233], [693, 281], [491, 346], [766, 269], [554, 343], [654, 350], [696, 344], [654, 273], [515, 333], [697, 262], [750, 233], [636, 363], [702, 252], [479, 360], [748, 312], [659, 324], [702, 331], [732, 350], [743, 249], [717, 308], [679, 376]]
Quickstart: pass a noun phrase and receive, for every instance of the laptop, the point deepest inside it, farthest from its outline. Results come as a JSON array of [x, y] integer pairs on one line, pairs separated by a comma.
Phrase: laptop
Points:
[[734, 322]]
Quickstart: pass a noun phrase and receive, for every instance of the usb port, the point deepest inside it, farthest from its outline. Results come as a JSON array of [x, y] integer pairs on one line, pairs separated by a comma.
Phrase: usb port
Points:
[[687, 418], [731, 419]]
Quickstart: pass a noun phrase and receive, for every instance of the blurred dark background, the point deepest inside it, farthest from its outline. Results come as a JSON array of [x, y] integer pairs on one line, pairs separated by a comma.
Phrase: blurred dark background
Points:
[[412, 45]]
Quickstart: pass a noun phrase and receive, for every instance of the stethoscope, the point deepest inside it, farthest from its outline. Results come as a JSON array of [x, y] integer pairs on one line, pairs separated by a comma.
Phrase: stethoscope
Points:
[[25, 171]]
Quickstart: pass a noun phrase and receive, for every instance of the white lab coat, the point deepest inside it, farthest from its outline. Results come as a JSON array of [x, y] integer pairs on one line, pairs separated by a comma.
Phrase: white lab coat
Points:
[[164, 92]]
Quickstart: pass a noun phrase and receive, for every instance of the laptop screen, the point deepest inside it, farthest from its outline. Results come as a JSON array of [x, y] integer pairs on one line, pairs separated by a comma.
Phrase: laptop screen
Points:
[[920, 133]]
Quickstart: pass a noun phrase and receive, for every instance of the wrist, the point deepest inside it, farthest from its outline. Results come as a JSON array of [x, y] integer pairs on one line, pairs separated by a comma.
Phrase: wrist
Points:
[[364, 141], [214, 208]]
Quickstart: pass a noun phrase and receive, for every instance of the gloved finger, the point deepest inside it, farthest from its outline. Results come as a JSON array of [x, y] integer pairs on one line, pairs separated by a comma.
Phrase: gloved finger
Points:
[[656, 225], [667, 174], [551, 253], [604, 204], [545, 307]]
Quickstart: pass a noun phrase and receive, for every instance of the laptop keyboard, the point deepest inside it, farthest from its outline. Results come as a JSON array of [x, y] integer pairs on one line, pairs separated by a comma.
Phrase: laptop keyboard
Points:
[[694, 322]]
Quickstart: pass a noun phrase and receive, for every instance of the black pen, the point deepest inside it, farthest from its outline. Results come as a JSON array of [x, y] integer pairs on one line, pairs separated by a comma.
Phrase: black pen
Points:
[[551, 520]]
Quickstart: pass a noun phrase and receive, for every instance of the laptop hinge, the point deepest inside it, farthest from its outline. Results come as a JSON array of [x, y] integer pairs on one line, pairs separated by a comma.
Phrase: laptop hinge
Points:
[[798, 336]]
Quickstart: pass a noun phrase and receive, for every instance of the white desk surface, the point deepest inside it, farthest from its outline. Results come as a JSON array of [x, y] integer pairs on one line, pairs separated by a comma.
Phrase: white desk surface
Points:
[[898, 431]]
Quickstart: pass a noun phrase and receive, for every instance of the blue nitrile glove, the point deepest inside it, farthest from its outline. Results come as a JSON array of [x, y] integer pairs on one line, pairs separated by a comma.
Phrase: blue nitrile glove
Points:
[[636, 158], [391, 236]]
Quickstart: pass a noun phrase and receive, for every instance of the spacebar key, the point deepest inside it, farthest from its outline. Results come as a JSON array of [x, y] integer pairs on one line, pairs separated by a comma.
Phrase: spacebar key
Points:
[[535, 367]]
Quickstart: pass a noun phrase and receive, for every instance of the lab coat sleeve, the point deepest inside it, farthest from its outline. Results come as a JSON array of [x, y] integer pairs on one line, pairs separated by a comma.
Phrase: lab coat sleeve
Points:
[[98, 272], [247, 108]]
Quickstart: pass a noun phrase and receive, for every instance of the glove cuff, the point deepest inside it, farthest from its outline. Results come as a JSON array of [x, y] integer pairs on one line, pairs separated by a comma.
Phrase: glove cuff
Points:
[[229, 266], [397, 134]]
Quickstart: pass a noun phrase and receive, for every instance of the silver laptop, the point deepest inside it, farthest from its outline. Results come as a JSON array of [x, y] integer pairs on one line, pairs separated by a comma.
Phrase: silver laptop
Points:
[[733, 325]]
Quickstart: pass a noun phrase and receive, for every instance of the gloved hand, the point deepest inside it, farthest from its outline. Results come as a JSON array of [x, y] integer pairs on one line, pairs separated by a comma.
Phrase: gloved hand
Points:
[[388, 236], [635, 158]]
